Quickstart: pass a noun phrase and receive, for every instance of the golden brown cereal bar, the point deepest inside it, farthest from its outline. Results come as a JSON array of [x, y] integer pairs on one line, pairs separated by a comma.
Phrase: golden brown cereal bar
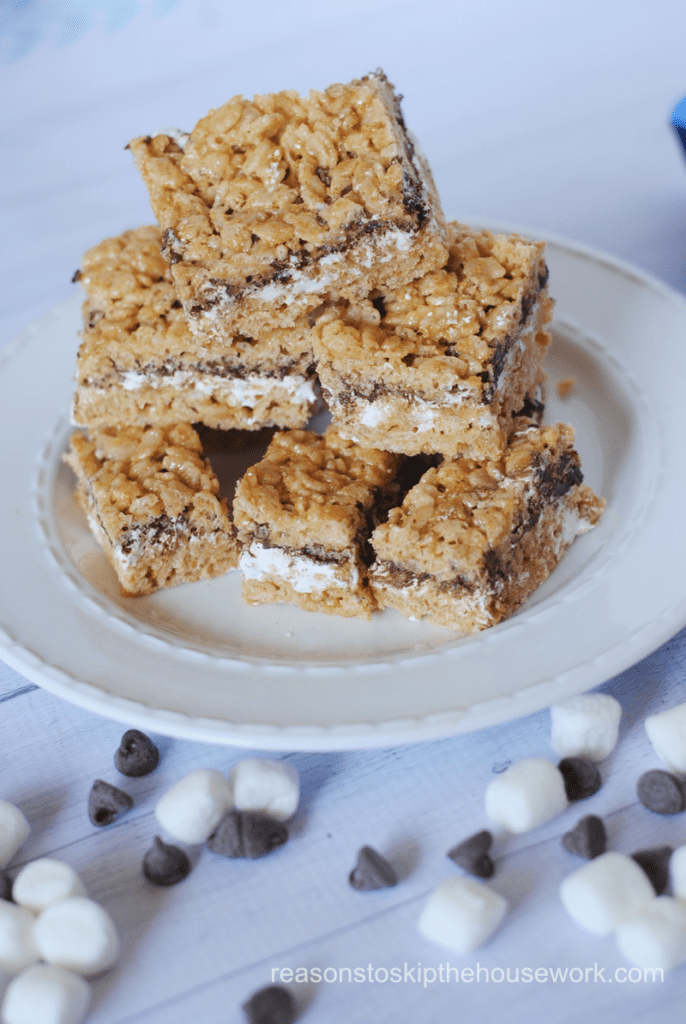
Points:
[[473, 540], [271, 205], [139, 364], [304, 515], [445, 362], [152, 503]]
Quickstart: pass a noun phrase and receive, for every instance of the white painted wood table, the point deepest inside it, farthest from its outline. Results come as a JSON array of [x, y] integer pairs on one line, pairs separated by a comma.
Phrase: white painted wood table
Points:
[[531, 113]]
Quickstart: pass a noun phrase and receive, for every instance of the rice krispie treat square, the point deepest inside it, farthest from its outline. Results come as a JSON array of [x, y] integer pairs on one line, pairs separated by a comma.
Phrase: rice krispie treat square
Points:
[[445, 362], [139, 364], [152, 503], [304, 515], [271, 205], [473, 540]]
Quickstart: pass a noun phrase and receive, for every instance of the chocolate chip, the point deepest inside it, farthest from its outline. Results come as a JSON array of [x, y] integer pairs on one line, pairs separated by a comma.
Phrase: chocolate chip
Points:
[[165, 864], [472, 854], [137, 754], [588, 839], [106, 803], [582, 778], [655, 863], [77, 276], [372, 871], [5, 886], [247, 834], [661, 792], [271, 1005]]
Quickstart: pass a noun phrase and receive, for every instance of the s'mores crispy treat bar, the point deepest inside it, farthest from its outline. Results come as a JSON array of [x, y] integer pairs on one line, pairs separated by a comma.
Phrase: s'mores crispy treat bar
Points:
[[139, 364], [473, 540], [443, 363], [304, 515], [270, 205], [151, 502]]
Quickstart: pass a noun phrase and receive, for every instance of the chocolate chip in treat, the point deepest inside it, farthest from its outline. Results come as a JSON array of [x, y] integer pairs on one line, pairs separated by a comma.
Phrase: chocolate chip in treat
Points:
[[5, 886], [661, 792], [582, 778], [165, 864], [137, 754], [247, 834], [473, 854], [372, 871], [655, 863], [588, 839], [271, 1005], [106, 803]]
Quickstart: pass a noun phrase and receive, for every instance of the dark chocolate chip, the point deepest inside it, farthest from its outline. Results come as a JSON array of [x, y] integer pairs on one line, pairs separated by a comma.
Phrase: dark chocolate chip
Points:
[[271, 1005], [372, 871], [661, 792], [472, 854], [655, 863], [106, 803], [137, 754], [247, 834], [588, 839], [77, 276], [165, 864], [582, 778], [5, 886]]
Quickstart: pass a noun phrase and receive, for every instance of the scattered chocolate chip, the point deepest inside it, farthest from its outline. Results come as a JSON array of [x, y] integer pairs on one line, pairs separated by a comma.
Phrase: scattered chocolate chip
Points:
[[5, 886], [588, 839], [661, 792], [655, 863], [372, 871], [271, 1005], [472, 855], [165, 864], [77, 276], [582, 778], [137, 754], [106, 803], [247, 834]]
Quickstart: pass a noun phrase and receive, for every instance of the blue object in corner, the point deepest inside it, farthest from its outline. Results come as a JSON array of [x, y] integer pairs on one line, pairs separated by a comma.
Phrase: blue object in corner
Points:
[[679, 120]]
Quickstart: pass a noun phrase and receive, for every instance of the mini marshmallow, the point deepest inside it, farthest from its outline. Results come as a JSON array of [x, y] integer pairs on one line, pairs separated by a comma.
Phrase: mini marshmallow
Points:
[[585, 726], [461, 913], [677, 871], [78, 934], [655, 935], [14, 831], [605, 891], [269, 787], [192, 809], [667, 733], [17, 947], [526, 795], [45, 881], [47, 994]]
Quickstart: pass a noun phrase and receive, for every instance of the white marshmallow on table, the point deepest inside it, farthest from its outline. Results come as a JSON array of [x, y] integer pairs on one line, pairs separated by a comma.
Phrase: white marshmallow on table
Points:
[[655, 935], [45, 881], [677, 871], [17, 946], [605, 891], [78, 934], [461, 913], [667, 733], [269, 787], [585, 726], [46, 994], [192, 809], [14, 831], [526, 795]]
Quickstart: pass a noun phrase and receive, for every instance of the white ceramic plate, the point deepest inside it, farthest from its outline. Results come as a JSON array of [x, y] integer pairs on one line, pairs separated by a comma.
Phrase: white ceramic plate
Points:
[[196, 662]]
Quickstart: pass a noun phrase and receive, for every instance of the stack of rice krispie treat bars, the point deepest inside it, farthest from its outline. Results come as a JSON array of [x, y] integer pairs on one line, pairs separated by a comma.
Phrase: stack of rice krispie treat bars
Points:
[[301, 250]]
